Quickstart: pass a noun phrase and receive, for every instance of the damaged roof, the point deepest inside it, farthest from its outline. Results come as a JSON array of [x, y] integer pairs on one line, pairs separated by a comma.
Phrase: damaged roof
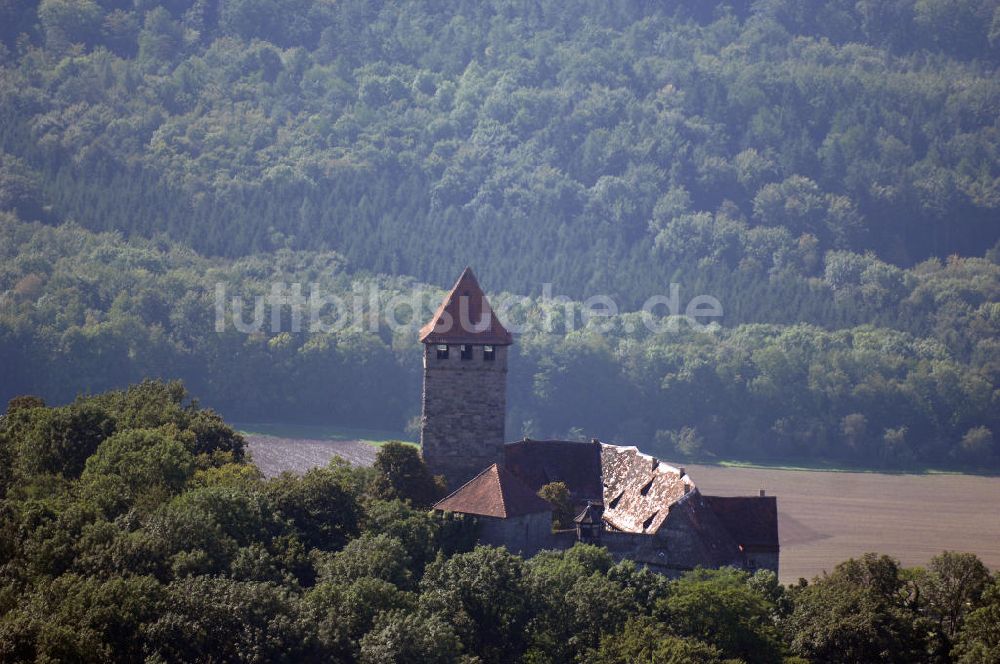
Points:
[[639, 490], [495, 492], [631, 492]]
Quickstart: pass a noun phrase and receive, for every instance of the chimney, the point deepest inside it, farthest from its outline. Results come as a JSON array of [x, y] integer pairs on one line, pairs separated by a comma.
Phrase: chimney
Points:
[[761, 493]]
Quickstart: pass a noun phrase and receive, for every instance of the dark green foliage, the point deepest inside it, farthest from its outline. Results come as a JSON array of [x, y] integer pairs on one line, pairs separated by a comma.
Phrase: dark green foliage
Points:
[[401, 636], [796, 160], [83, 620], [139, 558], [401, 474], [915, 389], [56, 440], [979, 637], [952, 585], [153, 404], [577, 600], [722, 608], [420, 533], [837, 623], [859, 613], [225, 620], [140, 460], [323, 514], [581, 146], [482, 595], [24, 402], [644, 641], [562, 506], [44, 534], [344, 613], [368, 556], [595, 611]]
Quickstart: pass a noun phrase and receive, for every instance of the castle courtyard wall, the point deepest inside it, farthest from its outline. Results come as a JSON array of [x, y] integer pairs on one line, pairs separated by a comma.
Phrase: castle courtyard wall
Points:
[[524, 535]]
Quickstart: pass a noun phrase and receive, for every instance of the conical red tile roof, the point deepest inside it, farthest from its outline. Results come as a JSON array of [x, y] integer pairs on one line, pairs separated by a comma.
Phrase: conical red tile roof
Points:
[[494, 492], [465, 316]]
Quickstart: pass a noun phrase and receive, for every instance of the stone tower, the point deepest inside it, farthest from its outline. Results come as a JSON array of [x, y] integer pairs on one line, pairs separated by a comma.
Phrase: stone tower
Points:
[[465, 384]]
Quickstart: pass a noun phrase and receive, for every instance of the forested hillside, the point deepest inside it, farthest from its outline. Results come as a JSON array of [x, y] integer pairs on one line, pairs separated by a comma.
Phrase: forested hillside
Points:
[[85, 312], [598, 145], [133, 528], [829, 171]]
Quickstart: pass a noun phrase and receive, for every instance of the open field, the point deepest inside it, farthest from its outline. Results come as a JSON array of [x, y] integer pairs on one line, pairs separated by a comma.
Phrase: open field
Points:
[[299, 447], [843, 467], [275, 455], [320, 432], [824, 517]]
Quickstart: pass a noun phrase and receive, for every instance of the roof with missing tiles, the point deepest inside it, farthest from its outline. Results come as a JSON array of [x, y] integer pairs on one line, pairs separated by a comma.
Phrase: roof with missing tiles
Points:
[[635, 493], [639, 490]]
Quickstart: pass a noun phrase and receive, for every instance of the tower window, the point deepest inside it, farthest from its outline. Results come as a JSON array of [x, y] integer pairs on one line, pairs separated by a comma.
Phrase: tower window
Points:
[[466, 352], [442, 351], [489, 353]]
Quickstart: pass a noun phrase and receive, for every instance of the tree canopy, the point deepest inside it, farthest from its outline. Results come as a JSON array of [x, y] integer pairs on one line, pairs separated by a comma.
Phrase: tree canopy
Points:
[[195, 556]]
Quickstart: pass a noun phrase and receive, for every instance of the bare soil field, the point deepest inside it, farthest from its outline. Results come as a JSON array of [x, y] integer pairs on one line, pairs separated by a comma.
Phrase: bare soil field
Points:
[[827, 517], [823, 517], [275, 455]]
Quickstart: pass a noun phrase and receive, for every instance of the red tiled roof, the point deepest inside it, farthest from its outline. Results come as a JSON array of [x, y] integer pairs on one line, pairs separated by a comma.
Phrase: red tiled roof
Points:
[[465, 316], [494, 492], [539, 462], [751, 521]]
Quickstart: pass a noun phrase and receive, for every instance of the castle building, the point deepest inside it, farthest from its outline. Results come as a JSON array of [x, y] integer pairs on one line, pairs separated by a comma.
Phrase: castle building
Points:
[[638, 507]]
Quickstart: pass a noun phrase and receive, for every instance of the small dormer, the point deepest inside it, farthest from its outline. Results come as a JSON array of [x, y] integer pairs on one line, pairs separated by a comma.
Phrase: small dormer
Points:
[[590, 523]]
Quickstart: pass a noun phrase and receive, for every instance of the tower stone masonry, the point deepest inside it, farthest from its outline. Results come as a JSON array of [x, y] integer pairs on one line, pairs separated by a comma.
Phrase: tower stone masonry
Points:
[[465, 384]]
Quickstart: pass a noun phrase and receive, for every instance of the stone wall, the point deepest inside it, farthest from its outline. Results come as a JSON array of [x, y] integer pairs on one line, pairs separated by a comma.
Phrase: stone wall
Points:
[[675, 549], [756, 560], [524, 535], [464, 406], [646, 550]]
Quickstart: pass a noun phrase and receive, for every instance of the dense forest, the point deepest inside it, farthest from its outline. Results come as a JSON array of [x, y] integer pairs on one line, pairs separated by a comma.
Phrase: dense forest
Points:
[[133, 528], [830, 172], [603, 146], [86, 312]]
